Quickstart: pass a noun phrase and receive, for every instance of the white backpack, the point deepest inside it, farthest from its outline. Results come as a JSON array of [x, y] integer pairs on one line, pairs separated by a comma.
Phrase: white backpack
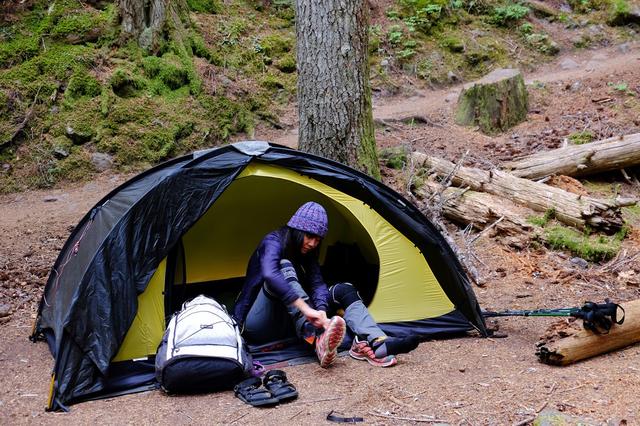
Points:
[[201, 350]]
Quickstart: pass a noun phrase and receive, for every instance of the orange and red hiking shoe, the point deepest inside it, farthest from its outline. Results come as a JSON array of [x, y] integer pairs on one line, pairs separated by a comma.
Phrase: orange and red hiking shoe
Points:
[[361, 351], [327, 343]]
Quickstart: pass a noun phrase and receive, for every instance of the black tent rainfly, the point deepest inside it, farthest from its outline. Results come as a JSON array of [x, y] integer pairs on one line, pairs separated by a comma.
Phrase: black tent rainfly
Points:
[[189, 226]]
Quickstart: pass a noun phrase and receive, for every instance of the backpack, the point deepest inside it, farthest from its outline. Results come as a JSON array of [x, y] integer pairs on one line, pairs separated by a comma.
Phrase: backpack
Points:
[[202, 350]]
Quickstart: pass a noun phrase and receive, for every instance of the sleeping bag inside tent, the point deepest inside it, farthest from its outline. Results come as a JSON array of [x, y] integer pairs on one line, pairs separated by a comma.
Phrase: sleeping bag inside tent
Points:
[[189, 226]]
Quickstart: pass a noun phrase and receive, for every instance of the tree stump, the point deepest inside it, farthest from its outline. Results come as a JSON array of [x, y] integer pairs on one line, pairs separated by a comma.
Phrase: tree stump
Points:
[[495, 103]]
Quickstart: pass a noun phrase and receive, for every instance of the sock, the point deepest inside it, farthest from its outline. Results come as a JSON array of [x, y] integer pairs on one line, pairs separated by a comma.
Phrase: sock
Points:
[[383, 346]]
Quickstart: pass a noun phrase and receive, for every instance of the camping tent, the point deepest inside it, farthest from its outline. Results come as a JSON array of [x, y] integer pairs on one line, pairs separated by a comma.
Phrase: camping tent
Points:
[[189, 226]]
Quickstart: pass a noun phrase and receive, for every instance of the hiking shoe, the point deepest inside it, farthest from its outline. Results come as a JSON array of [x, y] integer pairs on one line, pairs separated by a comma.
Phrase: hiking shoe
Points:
[[327, 343], [361, 351]]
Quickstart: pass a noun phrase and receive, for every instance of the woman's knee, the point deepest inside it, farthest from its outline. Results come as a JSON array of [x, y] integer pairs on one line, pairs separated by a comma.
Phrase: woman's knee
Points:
[[344, 294]]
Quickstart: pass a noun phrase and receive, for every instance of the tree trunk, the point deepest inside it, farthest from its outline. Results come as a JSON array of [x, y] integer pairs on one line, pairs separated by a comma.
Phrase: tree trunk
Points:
[[334, 96], [494, 103], [580, 160], [148, 21], [585, 344], [572, 209]]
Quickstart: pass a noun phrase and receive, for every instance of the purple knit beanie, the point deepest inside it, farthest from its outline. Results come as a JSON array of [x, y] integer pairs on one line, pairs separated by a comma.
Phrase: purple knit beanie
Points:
[[311, 217]]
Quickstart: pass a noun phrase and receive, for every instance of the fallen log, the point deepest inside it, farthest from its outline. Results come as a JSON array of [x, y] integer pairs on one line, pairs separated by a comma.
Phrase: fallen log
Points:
[[478, 208], [573, 209], [580, 160], [567, 346]]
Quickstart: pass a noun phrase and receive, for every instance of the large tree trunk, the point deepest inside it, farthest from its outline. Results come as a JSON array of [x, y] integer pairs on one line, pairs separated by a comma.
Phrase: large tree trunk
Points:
[[584, 344], [572, 209], [334, 96], [148, 21], [580, 160]]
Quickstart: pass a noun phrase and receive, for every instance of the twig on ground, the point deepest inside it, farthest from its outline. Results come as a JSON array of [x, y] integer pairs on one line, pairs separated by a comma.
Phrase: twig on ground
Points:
[[416, 394], [542, 406], [385, 123], [485, 230], [238, 418], [525, 421], [22, 125], [412, 419], [573, 388], [310, 401], [296, 414], [619, 261], [401, 403]]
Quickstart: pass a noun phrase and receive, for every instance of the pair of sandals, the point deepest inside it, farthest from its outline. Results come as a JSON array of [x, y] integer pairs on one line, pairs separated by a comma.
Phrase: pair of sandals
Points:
[[276, 389]]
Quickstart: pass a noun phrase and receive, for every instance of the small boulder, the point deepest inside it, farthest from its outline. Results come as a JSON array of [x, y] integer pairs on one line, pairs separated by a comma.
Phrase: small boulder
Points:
[[624, 15], [60, 152], [568, 64], [101, 161], [77, 136], [5, 310], [624, 48], [580, 262]]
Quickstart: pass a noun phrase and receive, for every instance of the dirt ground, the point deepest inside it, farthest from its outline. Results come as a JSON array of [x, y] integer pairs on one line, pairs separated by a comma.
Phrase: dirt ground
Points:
[[459, 381]]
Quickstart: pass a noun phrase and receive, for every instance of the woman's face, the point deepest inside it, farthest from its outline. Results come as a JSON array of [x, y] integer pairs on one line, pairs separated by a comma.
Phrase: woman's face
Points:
[[309, 243]]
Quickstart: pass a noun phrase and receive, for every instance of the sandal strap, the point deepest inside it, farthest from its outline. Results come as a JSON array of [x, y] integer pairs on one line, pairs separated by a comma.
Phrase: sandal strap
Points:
[[275, 375], [249, 384]]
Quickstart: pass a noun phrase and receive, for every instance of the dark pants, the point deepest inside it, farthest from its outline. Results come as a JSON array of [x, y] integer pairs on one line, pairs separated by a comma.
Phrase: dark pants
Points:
[[270, 320]]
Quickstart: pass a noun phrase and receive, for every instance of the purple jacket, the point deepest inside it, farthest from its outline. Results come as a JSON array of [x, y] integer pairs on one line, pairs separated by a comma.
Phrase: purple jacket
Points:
[[264, 266]]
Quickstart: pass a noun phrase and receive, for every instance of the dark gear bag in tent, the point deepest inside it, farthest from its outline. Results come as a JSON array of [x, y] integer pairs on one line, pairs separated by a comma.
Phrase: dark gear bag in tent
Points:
[[202, 350]]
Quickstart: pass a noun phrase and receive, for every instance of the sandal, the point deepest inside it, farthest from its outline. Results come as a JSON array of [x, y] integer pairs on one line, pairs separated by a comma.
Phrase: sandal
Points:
[[276, 382], [249, 391]]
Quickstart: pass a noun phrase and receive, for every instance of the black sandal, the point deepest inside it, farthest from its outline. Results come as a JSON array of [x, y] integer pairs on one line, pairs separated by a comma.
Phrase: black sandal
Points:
[[276, 382], [249, 391]]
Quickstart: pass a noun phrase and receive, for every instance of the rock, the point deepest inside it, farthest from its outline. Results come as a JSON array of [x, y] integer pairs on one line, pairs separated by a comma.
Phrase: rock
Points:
[[575, 86], [626, 15], [624, 48], [5, 310], [451, 97], [54, 109], [580, 262], [384, 63], [541, 10], [60, 153], [6, 167], [452, 77], [50, 199], [101, 161], [569, 64], [550, 417], [78, 137], [225, 81]]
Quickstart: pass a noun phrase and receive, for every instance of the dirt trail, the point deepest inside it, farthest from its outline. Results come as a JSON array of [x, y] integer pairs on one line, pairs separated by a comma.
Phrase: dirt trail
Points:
[[595, 64], [467, 380]]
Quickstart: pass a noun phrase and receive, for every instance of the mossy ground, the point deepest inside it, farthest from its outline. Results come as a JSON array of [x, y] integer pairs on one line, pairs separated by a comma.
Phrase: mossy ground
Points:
[[594, 248], [61, 61]]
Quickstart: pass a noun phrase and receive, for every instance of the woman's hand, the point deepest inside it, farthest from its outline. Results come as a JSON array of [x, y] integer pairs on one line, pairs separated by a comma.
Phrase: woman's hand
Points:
[[317, 318]]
